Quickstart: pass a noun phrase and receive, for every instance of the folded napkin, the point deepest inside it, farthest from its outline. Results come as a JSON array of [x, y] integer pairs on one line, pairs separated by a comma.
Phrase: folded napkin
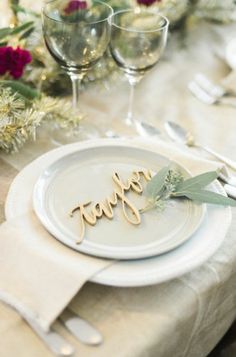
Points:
[[38, 275]]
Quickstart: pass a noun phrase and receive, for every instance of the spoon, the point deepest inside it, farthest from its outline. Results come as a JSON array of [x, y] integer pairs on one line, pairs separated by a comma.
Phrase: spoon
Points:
[[81, 329], [145, 129], [179, 134], [142, 128]]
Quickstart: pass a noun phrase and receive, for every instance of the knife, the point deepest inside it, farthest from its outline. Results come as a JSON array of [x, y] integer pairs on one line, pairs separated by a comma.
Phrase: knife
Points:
[[55, 342], [80, 328], [230, 190]]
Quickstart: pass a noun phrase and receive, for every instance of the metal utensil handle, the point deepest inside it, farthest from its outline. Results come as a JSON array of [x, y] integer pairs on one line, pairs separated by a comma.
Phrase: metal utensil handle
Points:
[[229, 179], [55, 342], [220, 157], [210, 87], [80, 328], [230, 190], [201, 94]]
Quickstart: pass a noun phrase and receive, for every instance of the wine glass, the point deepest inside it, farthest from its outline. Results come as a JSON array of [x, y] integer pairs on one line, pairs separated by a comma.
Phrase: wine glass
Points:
[[76, 34], [138, 38]]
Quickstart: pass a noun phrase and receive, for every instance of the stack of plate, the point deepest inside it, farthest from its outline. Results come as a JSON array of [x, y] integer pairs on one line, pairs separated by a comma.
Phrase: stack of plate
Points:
[[165, 245]]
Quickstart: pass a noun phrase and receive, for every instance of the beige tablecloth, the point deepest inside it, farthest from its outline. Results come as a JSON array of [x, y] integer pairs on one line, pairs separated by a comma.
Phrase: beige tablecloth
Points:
[[182, 318]]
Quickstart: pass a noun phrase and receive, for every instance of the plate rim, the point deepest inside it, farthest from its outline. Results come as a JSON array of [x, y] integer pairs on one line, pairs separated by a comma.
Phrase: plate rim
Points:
[[100, 250]]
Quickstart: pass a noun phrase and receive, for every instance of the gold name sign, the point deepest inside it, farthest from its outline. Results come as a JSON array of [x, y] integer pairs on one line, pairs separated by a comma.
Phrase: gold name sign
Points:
[[90, 213]]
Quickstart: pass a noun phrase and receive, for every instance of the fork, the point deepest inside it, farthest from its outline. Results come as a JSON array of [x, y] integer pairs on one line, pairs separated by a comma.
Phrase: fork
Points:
[[209, 99], [57, 344], [53, 340], [230, 190], [80, 328], [215, 90]]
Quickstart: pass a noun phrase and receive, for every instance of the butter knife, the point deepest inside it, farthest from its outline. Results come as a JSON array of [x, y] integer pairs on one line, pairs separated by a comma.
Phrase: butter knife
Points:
[[230, 190], [80, 328], [55, 342]]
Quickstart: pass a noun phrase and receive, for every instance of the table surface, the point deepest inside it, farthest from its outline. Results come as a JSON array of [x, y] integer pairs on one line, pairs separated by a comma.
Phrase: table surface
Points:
[[189, 315]]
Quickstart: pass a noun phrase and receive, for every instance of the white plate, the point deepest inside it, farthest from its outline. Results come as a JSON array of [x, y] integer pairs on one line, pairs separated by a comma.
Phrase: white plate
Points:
[[188, 256], [86, 175]]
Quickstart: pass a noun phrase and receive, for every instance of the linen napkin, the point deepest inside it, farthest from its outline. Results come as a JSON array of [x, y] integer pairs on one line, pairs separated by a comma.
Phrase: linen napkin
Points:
[[38, 275]]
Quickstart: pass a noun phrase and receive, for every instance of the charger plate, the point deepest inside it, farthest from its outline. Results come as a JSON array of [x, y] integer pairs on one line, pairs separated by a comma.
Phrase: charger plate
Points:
[[86, 175], [203, 243]]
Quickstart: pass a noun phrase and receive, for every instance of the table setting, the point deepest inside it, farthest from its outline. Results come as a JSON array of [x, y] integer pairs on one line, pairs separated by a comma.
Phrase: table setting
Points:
[[117, 178]]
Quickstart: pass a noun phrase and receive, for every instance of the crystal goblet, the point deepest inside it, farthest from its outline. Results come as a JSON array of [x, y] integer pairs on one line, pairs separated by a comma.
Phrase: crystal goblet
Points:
[[138, 38], [76, 34]]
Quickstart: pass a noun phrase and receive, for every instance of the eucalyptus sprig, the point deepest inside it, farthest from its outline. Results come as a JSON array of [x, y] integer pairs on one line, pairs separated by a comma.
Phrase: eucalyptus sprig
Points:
[[169, 183]]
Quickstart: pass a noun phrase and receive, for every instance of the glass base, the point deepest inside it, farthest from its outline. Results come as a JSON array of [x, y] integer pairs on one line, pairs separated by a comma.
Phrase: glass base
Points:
[[62, 136], [130, 128]]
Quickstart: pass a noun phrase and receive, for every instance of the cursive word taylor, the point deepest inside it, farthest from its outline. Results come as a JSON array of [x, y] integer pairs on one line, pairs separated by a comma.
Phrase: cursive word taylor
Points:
[[89, 213]]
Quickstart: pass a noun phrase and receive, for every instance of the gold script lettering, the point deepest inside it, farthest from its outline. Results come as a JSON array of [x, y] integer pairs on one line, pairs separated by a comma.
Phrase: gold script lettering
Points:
[[98, 210]]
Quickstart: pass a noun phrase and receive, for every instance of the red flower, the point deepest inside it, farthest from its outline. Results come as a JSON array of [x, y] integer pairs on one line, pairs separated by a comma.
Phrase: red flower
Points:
[[13, 61], [74, 5], [5, 58], [147, 2]]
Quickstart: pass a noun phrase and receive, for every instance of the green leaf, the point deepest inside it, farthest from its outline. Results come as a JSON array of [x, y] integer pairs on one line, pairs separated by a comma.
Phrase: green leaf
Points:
[[21, 28], [5, 31], [199, 181], [207, 197], [22, 89], [15, 2], [155, 185], [18, 8], [2, 44], [27, 33]]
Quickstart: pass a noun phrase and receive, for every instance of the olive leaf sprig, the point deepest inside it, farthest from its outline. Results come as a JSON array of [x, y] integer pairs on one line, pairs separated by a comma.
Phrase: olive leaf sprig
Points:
[[169, 183]]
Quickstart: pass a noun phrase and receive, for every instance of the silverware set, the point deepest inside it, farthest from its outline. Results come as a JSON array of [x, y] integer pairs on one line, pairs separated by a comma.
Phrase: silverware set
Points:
[[82, 330], [179, 134], [210, 93]]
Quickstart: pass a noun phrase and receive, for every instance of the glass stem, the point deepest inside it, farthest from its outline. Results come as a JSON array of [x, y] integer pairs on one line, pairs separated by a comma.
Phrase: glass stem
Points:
[[76, 81], [130, 119]]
